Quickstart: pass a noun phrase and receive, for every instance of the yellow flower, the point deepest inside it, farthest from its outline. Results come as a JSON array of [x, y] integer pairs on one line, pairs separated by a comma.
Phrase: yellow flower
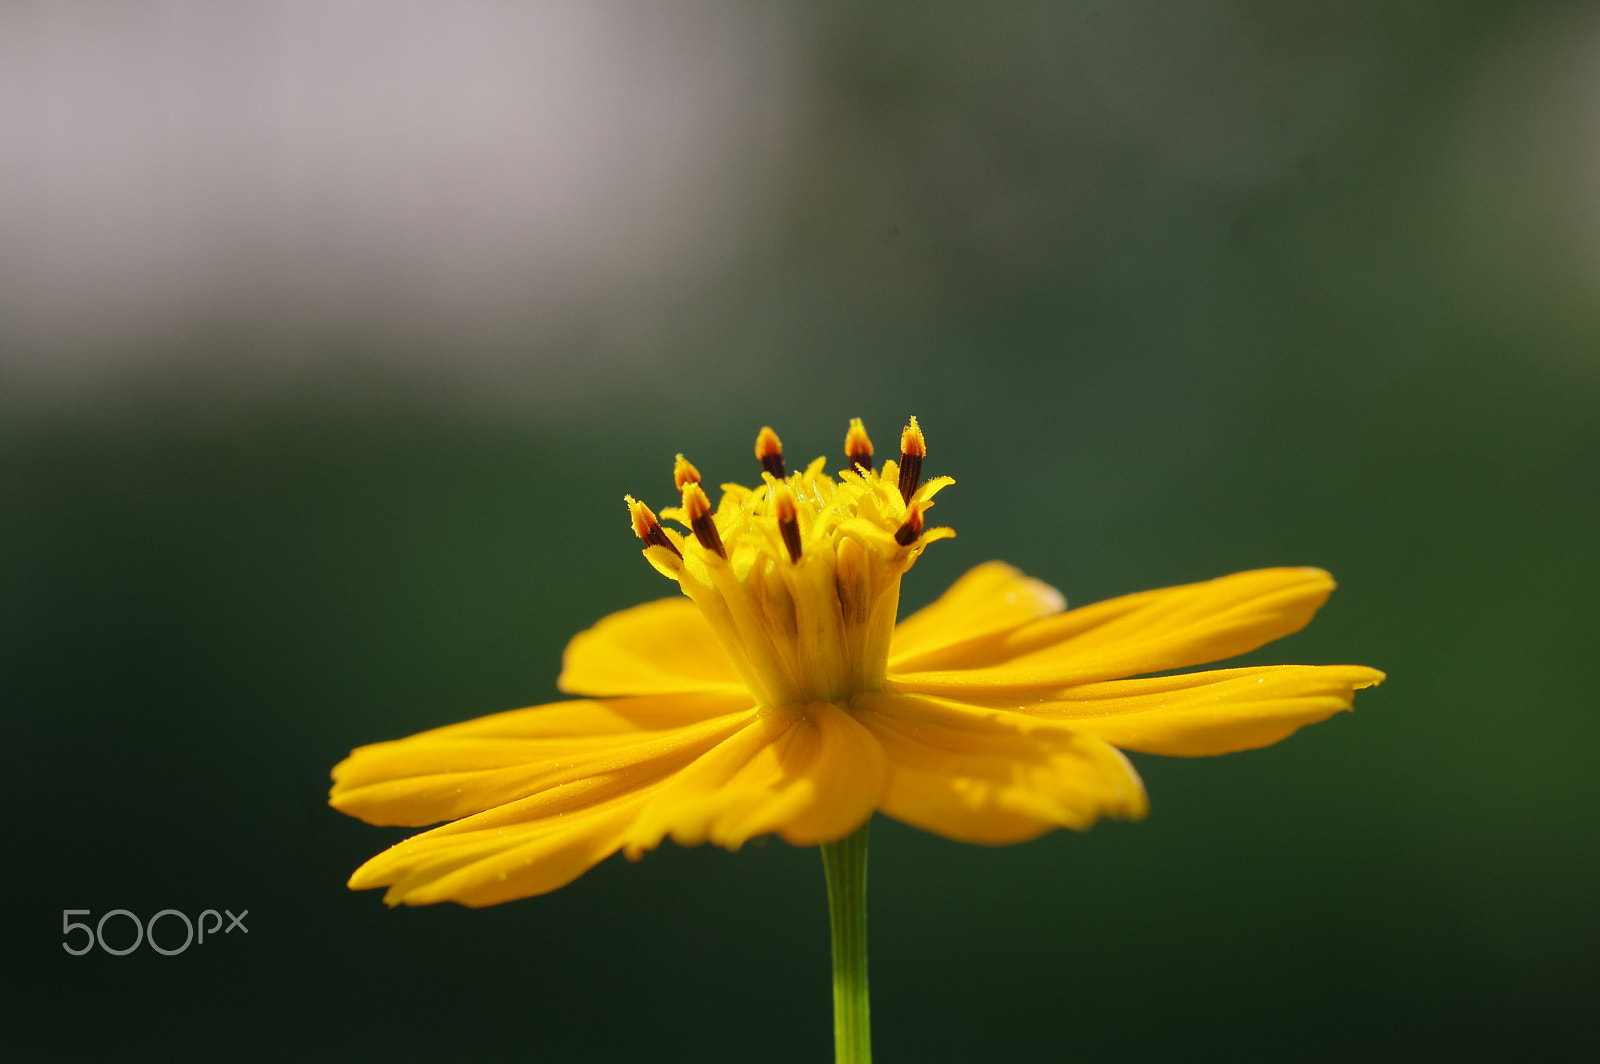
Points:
[[778, 695]]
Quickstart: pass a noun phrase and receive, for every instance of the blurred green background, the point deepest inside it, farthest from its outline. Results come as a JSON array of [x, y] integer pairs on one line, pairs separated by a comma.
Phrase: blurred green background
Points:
[[1175, 290]]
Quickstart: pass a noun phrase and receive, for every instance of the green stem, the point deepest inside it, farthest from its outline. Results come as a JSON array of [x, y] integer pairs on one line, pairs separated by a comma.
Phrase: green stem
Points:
[[845, 863]]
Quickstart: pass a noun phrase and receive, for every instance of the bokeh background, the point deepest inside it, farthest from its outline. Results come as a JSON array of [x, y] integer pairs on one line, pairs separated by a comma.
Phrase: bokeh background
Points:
[[332, 333]]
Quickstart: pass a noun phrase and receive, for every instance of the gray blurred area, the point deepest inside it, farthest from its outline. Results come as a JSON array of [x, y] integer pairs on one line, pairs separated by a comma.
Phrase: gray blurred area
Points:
[[434, 180], [332, 334]]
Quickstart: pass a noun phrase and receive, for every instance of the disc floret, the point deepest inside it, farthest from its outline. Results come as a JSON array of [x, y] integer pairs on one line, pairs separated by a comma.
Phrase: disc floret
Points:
[[799, 577]]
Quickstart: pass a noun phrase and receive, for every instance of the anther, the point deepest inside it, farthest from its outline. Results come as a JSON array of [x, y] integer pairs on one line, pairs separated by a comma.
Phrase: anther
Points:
[[684, 472], [912, 449], [646, 527], [788, 520], [857, 447], [769, 451], [910, 528], [698, 509]]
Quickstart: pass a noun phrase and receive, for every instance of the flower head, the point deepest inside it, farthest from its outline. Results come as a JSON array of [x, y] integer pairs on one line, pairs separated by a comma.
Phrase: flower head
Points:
[[778, 695]]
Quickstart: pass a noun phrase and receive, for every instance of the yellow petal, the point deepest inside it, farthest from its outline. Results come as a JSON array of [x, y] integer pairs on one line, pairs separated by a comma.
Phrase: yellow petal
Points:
[[531, 847], [1202, 713], [467, 768], [991, 776], [1152, 631], [808, 772], [988, 600], [659, 648]]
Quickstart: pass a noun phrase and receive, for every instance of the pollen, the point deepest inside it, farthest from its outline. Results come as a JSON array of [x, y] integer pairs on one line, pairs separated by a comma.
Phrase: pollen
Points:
[[858, 446], [684, 472], [911, 528], [697, 508], [913, 448], [769, 452], [646, 527], [788, 520]]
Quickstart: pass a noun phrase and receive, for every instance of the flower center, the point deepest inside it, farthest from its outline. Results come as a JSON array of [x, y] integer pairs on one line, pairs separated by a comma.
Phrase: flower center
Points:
[[800, 577]]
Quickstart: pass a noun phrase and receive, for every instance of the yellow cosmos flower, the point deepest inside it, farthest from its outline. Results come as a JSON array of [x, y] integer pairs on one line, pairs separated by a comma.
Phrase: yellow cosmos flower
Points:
[[779, 695]]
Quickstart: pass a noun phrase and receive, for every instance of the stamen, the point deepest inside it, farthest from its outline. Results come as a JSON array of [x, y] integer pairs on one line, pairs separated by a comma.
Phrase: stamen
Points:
[[911, 528], [769, 451], [788, 520], [912, 449], [647, 528], [857, 446], [683, 472], [698, 509]]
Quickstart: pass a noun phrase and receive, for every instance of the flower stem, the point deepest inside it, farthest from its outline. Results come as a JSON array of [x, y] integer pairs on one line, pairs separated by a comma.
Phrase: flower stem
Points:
[[845, 864]]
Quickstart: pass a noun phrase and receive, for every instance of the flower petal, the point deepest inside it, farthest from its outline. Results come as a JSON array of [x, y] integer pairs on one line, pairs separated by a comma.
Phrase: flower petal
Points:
[[988, 600], [662, 647], [530, 847], [467, 768], [1202, 713], [1151, 631], [990, 776], [808, 772]]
